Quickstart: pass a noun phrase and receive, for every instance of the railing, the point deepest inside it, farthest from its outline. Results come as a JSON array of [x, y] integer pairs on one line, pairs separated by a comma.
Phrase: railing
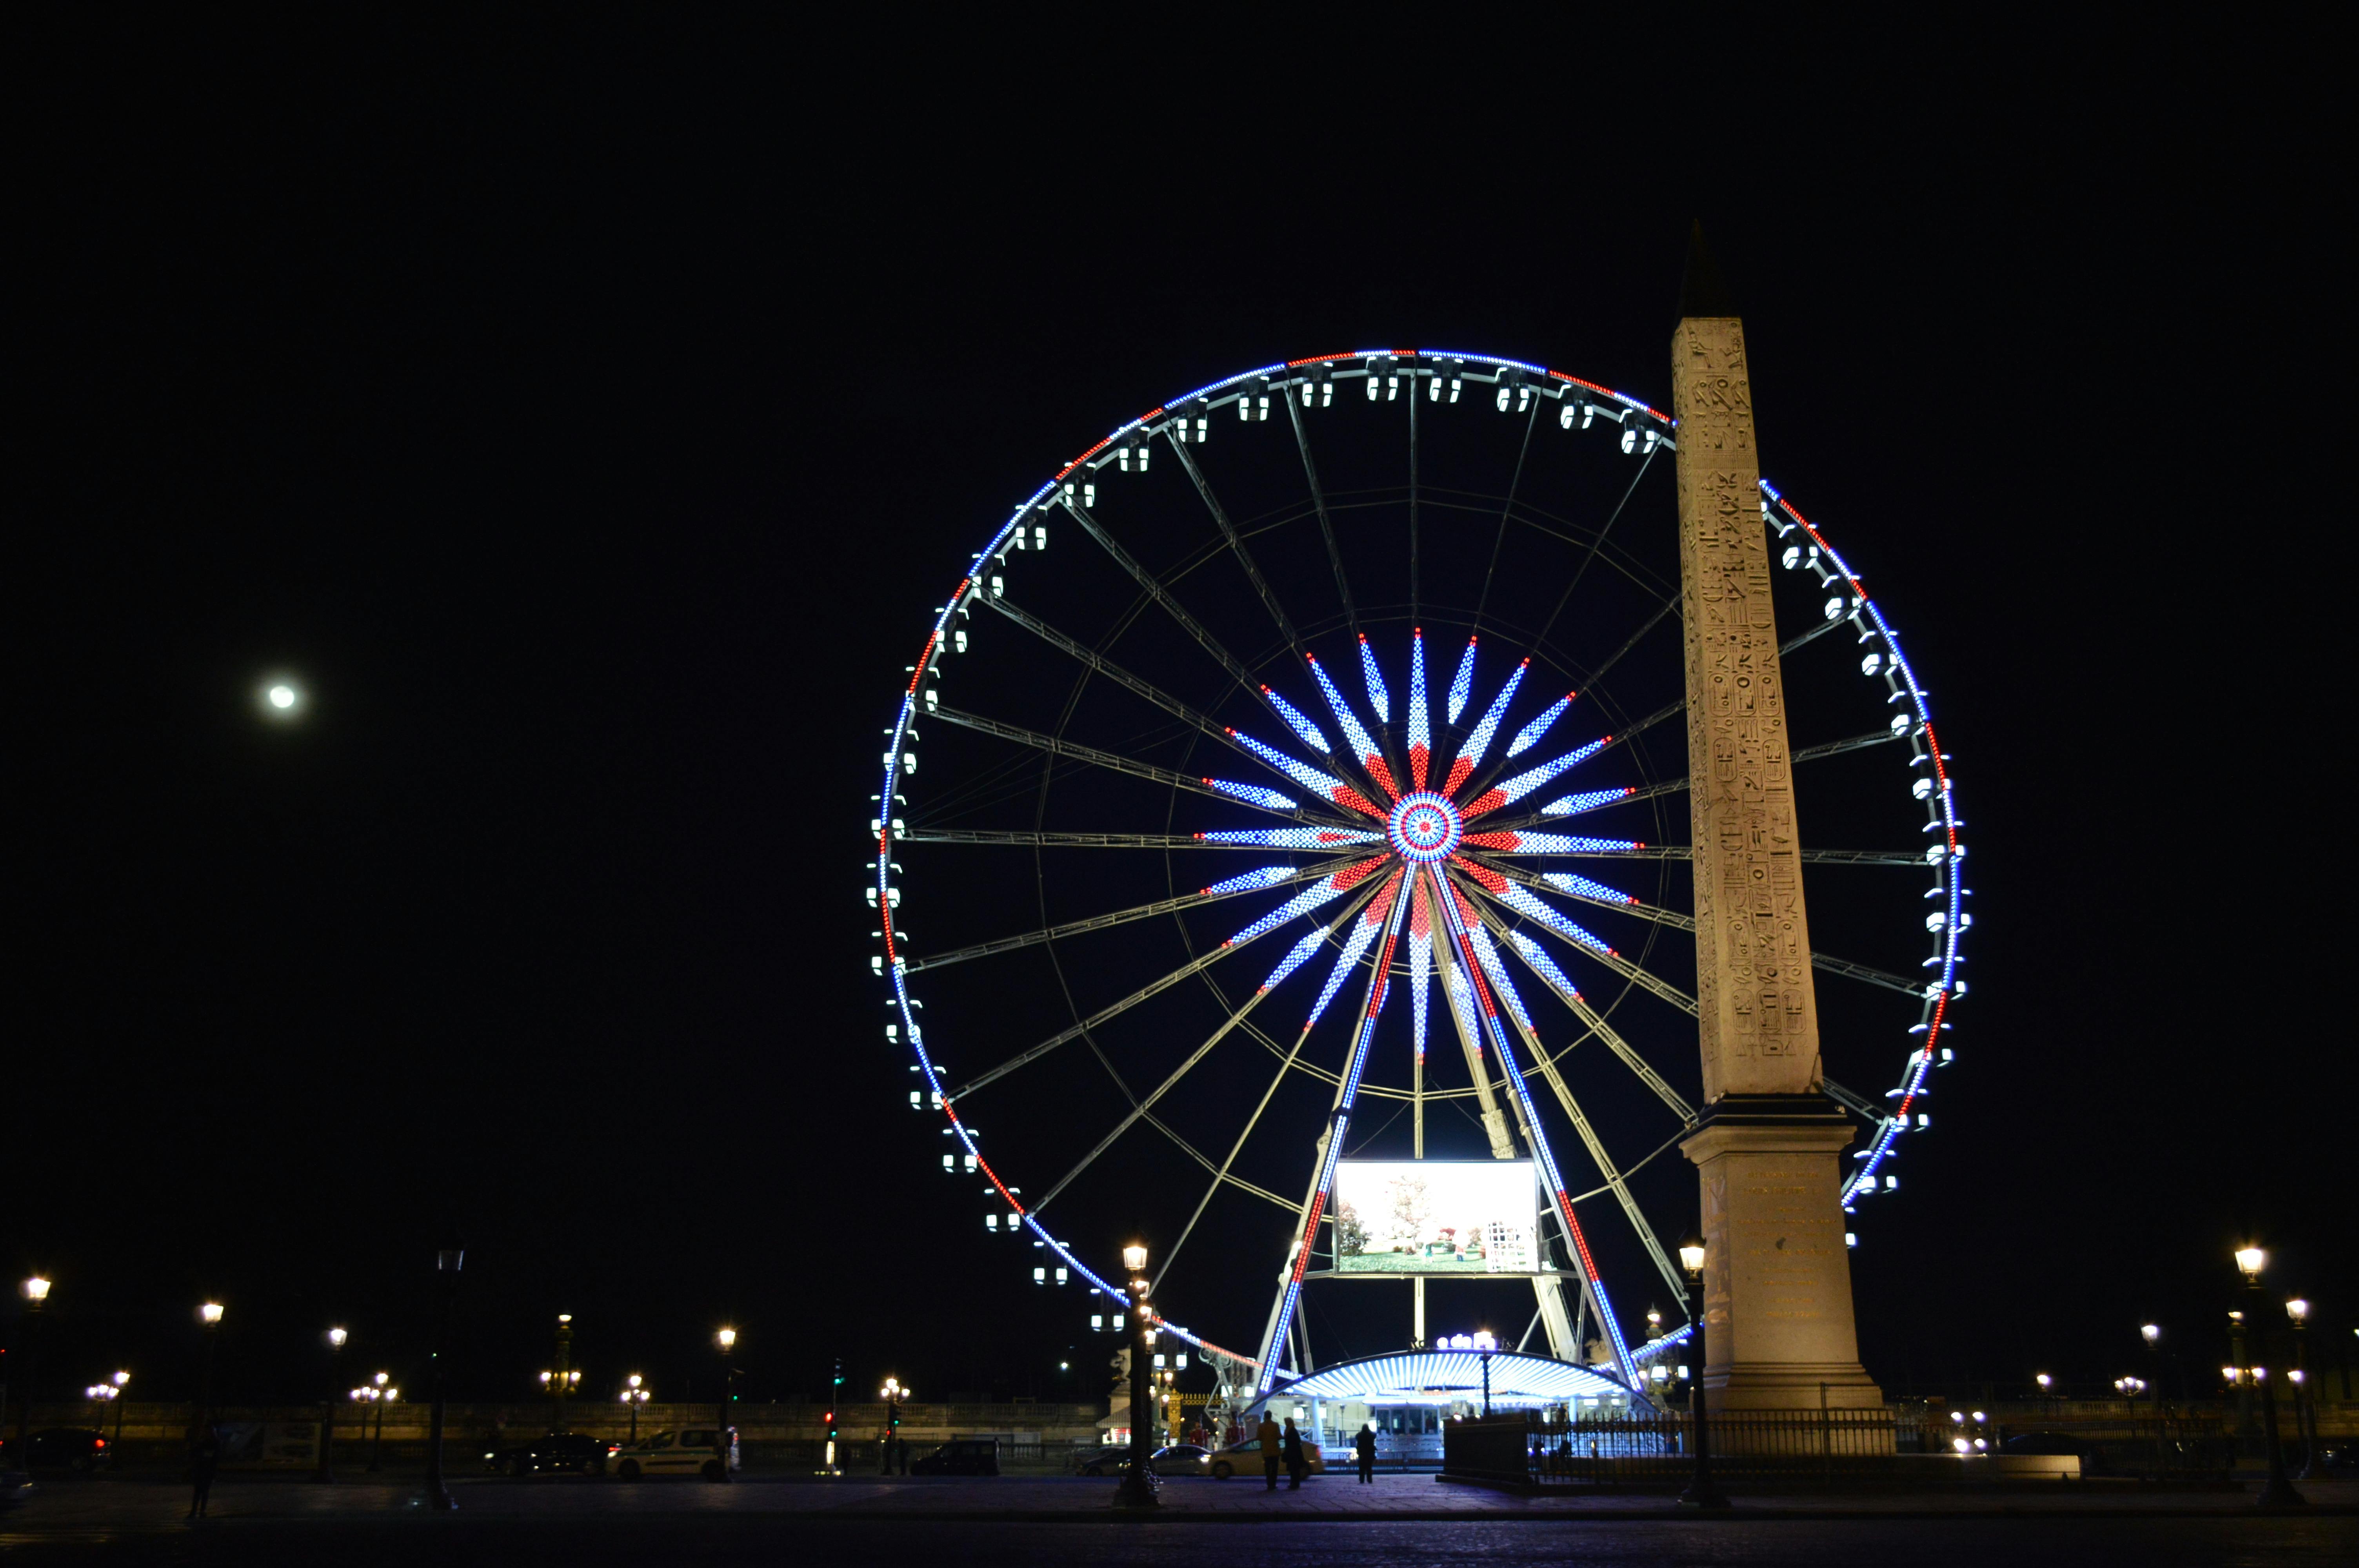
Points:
[[1849, 1445]]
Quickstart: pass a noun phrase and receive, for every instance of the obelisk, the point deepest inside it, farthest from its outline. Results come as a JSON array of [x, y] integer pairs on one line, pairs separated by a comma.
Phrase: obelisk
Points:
[[1778, 1333]]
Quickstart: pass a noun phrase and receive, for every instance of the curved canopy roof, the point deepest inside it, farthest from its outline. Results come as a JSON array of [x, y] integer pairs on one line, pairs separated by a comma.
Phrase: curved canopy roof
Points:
[[1433, 1377]]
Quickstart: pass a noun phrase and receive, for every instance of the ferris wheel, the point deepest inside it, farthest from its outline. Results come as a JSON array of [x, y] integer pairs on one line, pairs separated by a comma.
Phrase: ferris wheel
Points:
[[1295, 782]]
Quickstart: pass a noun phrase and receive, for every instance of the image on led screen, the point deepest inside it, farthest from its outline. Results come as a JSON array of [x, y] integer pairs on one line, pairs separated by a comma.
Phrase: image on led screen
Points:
[[1435, 1216]]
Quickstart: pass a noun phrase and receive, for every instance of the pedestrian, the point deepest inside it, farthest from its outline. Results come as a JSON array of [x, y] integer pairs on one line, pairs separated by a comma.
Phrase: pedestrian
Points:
[[1295, 1463], [903, 1444], [1272, 1443], [1366, 1446], [204, 1460]]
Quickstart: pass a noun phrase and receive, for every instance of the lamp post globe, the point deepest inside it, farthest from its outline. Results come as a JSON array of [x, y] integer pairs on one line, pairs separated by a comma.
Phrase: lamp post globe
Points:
[[1701, 1494], [2279, 1491]]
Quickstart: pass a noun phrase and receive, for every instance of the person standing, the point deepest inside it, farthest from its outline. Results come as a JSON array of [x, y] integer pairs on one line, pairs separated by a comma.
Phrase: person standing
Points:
[[1272, 1443], [1364, 1445], [203, 1461], [1295, 1463]]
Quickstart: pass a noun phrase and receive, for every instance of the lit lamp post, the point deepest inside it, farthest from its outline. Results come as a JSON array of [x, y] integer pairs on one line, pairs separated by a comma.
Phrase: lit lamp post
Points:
[[2046, 1387], [119, 1382], [2305, 1403], [378, 1393], [635, 1395], [1137, 1488], [447, 1262], [208, 1315], [563, 1380], [326, 1470], [892, 1393], [36, 1295], [727, 1340], [2279, 1492], [1701, 1492]]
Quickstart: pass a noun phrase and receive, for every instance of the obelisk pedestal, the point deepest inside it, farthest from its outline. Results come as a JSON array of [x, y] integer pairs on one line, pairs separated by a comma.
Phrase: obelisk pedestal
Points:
[[1778, 1333]]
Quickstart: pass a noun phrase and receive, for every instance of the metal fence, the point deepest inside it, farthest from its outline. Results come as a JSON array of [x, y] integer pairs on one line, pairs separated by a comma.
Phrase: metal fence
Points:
[[1803, 1447]]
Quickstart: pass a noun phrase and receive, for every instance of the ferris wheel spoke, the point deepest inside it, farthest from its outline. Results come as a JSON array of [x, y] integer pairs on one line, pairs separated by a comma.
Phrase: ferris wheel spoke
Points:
[[1595, 1145], [1337, 885], [1147, 992], [1234, 1020], [1100, 664], [1514, 484], [1326, 525], [1597, 545], [1237, 544], [1883, 737], [1260, 799], [1538, 961], [1598, 953], [1619, 738], [1266, 838], [1163, 596], [1815, 633], [1233, 887]]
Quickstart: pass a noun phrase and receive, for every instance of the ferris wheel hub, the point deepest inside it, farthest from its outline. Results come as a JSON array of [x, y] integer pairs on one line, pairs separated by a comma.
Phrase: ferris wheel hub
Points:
[[1425, 828]]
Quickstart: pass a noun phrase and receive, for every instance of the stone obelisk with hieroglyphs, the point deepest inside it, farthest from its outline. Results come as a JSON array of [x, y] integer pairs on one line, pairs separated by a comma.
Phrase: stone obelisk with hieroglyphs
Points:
[[1779, 1332]]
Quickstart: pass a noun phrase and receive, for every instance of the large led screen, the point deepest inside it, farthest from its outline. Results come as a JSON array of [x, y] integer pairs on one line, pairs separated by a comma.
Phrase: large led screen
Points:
[[1435, 1216]]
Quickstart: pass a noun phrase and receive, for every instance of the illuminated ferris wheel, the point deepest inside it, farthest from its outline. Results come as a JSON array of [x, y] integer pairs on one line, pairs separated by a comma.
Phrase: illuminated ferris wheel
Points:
[[1281, 844]]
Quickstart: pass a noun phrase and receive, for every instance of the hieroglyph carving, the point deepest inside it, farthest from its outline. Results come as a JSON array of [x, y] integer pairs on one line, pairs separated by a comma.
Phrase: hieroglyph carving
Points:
[[1759, 1017]]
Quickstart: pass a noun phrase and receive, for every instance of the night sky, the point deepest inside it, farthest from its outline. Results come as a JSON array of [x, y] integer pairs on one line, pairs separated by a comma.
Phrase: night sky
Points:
[[591, 416]]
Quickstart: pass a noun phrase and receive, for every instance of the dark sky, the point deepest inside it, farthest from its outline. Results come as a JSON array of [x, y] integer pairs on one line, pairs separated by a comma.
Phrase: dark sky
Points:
[[590, 412]]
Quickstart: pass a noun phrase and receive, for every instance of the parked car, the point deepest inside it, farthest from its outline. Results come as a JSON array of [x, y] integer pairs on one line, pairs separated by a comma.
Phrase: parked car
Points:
[[962, 1456], [1246, 1456], [1178, 1459], [58, 1448], [709, 1451], [569, 1450]]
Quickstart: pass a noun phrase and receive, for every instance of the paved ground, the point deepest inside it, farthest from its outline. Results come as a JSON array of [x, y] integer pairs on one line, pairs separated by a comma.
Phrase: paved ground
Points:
[[1400, 1521]]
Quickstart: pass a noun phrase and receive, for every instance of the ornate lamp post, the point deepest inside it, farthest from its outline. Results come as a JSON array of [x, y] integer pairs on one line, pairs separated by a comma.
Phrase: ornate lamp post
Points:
[[892, 1393], [635, 1395], [562, 1380], [37, 1296], [326, 1470], [378, 1393], [1701, 1492], [447, 1262], [1137, 1488], [2305, 1403], [120, 1381], [210, 1314], [2279, 1492], [727, 1340]]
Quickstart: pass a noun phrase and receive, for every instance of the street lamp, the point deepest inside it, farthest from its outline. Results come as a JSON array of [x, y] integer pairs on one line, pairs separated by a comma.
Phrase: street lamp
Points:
[[447, 1262], [2279, 1492], [326, 1470], [378, 1394], [727, 1340], [1137, 1488], [208, 1315], [634, 1396], [1701, 1492], [36, 1295], [121, 1380], [892, 1393], [2305, 1403]]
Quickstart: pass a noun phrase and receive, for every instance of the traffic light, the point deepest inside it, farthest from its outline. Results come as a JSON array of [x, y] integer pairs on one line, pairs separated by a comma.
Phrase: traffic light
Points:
[[834, 1389]]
